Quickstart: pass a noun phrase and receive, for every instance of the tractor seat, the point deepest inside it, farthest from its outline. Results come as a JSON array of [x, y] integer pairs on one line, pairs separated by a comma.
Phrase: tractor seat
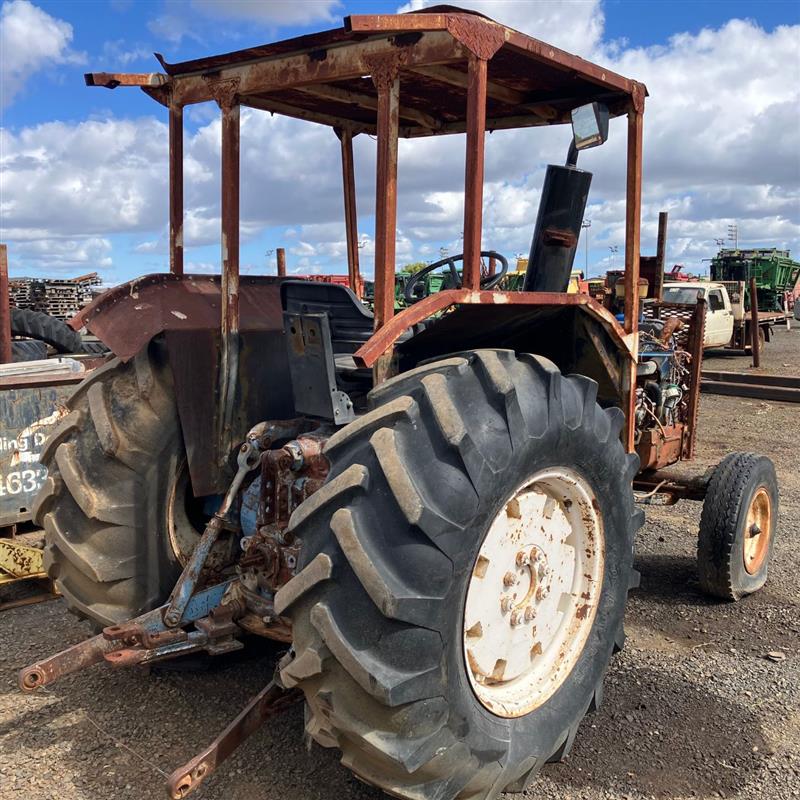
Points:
[[351, 322]]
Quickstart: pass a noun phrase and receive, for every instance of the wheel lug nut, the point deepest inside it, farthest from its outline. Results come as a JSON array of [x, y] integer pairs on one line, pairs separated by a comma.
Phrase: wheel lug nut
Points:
[[530, 613], [509, 579], [505, 604], [522, 559], [516, 617], [542, 592]]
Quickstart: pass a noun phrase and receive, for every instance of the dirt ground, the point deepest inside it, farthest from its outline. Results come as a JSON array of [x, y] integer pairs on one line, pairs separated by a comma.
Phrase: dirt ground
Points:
[[693, 707]]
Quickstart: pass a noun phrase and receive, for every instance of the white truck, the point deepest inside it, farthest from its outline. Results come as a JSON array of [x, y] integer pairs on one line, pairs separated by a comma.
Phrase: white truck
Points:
[[727, 321]]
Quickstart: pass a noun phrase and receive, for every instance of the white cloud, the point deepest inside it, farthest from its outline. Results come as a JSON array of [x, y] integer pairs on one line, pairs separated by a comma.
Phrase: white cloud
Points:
[[574, 26], [721, 145], [180, 18], [61, 255], [30, 40]]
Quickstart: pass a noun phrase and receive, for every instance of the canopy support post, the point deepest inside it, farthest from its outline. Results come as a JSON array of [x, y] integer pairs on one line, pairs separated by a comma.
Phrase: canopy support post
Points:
[[175, 189], [350, 216], [473, 178], [633, 211]]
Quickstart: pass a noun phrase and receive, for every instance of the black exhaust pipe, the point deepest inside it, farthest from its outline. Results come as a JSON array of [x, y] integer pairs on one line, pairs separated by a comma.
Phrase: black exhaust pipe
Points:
[[558, 226]]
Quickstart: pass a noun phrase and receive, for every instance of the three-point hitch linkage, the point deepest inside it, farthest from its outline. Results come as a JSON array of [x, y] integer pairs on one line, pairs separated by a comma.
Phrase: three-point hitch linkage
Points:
[[210, 618]]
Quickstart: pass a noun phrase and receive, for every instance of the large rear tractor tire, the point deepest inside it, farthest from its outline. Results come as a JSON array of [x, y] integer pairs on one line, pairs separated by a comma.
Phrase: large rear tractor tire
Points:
[[115, 505], [463, 577]]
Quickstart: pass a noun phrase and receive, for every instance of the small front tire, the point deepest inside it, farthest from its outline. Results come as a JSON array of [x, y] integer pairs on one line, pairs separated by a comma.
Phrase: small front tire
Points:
[[737, 526]]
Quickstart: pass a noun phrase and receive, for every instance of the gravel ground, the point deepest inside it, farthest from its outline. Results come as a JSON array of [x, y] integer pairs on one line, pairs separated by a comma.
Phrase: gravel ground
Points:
[[693, 707]]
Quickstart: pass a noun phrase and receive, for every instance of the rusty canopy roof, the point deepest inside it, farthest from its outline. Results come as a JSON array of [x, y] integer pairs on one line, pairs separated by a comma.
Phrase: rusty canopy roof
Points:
[[325, 77]]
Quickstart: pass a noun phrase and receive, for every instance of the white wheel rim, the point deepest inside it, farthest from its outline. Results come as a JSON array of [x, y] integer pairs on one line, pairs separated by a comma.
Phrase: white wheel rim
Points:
[[533, 592]]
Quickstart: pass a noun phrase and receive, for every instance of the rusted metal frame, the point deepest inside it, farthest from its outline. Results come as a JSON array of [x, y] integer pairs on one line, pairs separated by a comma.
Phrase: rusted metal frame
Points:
[[383, 340], [175, 189], [280, 258], [747, 378], [350, 214], [600, 348], [697, 328], [469, 26], [341, 62], [5, 308], [544, 113], [754, 340], [226, 96], [369, 103], [110, 80], [673, 486], [386, 80], [454, 77], [661, 255], [492, 124], [633, 211], [287, 110], [473, 173], [781, 394], [267, 703], [94, 650]]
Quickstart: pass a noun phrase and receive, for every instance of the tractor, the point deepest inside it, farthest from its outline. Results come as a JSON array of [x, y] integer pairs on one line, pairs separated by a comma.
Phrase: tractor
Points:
[[434, 509]]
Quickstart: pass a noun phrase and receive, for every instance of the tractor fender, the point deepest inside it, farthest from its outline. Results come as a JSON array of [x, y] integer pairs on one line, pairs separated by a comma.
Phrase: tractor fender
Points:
[[128, 316], [573, 330], [186, 311]]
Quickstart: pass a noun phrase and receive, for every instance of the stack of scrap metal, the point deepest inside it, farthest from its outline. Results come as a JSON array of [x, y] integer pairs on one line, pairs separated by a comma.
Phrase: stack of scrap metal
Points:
[[59, 297]]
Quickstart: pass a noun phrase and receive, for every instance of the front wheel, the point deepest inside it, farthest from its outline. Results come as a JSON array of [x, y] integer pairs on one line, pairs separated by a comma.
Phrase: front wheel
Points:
[[737, 526], [463, 576]]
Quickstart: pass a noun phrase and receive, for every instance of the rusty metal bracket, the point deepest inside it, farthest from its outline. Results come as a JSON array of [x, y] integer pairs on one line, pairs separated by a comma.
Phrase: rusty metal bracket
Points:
[[94, 650], [267, 703]]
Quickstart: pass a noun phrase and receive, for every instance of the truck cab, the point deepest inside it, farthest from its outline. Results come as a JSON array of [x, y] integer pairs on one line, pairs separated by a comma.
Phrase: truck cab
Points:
[[719, 309]]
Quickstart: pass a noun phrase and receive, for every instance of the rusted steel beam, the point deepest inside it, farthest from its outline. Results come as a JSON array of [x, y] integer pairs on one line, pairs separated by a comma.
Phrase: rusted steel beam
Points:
[[267, 703], [388, 85], [779, 381], [697, 328], [470, 28], [492, 124], [229, 361], [110, 80], [383, 340], [473, 177], [370, 103], [454, 77], [755, 343], [280, 256], [287, 110], [661, 255], [350, 215], [5, 308], [758, 391], [633, 211], [176, 190], [350, 60], [230, 218]]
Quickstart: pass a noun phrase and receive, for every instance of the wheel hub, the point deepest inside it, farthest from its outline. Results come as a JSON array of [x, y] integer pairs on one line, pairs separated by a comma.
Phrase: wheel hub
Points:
[[757, 531], [533, 592]]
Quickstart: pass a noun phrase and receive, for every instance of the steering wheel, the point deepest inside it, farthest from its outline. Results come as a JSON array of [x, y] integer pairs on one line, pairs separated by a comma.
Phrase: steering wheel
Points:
[[487, 281]]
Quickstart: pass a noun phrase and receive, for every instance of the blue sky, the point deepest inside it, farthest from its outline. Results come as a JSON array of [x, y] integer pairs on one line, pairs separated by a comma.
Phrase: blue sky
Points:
[[49, 103]]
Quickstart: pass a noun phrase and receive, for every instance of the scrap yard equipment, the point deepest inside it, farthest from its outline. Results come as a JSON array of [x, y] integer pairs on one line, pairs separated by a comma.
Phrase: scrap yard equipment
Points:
[[436, 508], [33, 396]]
